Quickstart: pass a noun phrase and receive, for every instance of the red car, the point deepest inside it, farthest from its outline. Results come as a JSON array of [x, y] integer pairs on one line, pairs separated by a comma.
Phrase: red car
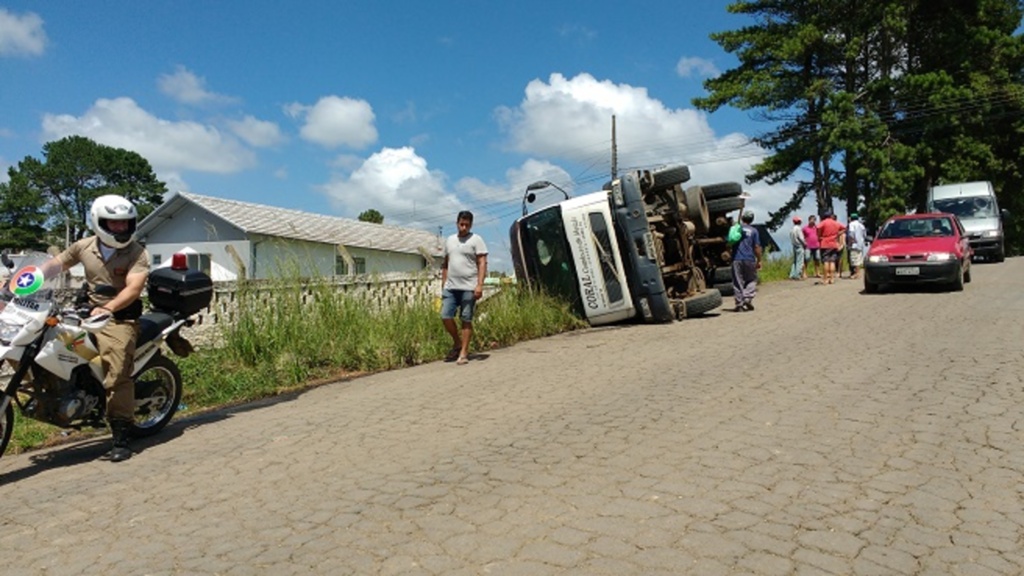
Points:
[[919, 249]]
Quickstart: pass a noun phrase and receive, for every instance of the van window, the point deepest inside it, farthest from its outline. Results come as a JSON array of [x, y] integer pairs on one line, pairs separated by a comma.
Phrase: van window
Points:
[[966, 207]]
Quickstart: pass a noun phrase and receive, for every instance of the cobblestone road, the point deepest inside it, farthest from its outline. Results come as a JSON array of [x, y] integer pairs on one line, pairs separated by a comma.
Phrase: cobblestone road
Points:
[[828, 432]]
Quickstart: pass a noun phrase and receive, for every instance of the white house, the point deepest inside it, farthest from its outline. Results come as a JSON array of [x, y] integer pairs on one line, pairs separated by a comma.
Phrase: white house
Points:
[[229, 239]]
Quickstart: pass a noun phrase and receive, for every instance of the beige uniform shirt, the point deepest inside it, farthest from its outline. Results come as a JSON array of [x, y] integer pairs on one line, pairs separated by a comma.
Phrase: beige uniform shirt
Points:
[[132, 259]]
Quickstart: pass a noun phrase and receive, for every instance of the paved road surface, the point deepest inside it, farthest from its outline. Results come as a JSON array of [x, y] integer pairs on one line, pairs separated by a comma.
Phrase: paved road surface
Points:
[[828, 432]]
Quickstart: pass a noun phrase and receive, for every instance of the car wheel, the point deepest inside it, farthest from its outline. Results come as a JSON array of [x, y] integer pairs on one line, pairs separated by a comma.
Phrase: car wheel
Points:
[[870, 287], [967, 273], [958, 282], [1000, 256]]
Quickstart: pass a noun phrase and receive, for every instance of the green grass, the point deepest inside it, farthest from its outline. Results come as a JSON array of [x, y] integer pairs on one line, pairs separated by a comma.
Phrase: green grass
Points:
[[290, 336]]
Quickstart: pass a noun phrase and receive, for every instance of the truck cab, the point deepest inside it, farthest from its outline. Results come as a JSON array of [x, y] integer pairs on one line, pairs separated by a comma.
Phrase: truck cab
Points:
[[626, 252]]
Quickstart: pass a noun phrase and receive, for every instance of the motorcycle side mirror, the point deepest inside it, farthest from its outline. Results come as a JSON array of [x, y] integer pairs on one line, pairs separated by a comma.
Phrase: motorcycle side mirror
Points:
[[6, 259]]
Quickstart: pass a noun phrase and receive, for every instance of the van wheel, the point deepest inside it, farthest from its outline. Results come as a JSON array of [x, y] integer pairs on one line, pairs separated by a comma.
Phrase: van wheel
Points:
[[1000, 256]]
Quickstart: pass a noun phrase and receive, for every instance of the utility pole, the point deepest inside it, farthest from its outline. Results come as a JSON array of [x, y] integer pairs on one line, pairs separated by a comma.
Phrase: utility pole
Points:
[[615, 152]]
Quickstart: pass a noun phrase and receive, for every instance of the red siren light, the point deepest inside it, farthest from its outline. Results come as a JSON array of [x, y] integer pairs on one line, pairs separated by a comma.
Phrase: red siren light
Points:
[[179, 261]]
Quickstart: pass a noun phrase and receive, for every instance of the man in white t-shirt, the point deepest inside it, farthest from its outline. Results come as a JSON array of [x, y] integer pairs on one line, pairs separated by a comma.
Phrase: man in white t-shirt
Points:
[[858, 245], [462, 283]]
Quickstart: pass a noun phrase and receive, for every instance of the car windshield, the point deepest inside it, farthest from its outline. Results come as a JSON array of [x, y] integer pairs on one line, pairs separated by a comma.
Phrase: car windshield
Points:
[[966, 208], [917, 228]]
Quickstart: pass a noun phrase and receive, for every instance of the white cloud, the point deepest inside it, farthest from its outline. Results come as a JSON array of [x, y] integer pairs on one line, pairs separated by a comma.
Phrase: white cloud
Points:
[[397, 183], [335, 121], [187, 88], [570, 119], [21, 35], [168, 146], [693, 66], [255, 132]]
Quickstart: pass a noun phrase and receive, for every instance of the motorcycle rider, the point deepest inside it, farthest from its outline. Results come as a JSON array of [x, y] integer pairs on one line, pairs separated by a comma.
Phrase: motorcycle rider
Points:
[[112, 257]]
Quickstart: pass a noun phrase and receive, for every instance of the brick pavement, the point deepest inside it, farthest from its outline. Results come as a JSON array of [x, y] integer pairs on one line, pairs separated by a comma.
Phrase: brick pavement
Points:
[[828, 432]]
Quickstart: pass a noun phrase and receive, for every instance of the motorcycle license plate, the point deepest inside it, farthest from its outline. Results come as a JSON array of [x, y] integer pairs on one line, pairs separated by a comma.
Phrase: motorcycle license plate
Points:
[[908, 271]]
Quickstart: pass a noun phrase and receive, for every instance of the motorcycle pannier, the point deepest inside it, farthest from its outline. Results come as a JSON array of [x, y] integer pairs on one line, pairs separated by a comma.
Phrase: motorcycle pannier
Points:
[[184, 291]]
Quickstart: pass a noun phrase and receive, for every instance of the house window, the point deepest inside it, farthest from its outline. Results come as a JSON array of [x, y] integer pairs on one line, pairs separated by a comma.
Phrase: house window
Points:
[[199, 262], [341, 267], [157, 260]]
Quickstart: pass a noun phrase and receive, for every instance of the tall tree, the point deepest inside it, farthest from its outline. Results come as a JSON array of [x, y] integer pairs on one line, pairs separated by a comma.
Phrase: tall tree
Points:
[[371, 216], [21, 217], [878, 99], [75, 171]]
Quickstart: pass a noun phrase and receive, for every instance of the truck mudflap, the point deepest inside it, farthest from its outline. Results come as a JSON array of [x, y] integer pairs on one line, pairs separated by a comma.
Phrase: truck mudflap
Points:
[[649, 295]]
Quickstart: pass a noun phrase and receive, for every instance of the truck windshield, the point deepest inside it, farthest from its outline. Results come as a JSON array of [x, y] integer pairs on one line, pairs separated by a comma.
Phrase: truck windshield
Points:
[[966, 207], [546, 255]]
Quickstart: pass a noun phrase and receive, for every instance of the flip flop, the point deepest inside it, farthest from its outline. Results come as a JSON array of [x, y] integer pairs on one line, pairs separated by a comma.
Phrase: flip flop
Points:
[[452, 355], [462, 360]]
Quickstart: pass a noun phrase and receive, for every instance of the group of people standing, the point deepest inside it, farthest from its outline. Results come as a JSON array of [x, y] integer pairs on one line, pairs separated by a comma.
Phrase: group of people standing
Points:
[[822, 244]]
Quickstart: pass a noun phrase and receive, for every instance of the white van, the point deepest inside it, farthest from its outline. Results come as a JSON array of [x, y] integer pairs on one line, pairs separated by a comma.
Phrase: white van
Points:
[[974, 203]]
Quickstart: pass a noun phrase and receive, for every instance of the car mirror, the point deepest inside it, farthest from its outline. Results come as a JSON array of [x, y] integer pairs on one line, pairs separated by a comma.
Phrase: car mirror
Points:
[[1004, 214]]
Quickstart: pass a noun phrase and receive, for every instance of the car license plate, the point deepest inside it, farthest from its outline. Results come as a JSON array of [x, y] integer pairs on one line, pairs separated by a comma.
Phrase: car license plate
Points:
[[908, 271]]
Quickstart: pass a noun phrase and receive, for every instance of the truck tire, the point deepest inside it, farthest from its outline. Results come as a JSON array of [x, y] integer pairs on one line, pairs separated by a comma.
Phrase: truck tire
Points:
[[722, 190], [669, 177], [724, 205], [697, 209], [723, 274], [702, 303], [725, 288]]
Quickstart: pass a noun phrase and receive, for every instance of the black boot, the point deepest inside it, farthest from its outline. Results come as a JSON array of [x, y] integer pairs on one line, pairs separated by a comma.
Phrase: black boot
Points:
[[120, 451]]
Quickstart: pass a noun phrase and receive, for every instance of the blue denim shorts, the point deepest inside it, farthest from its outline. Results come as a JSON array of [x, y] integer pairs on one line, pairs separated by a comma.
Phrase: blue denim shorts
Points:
[[462, 299]]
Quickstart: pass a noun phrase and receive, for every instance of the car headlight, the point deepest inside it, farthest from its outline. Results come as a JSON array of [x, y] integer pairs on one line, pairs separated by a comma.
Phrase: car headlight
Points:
[[939, 257], [876, 258], [990, 234]]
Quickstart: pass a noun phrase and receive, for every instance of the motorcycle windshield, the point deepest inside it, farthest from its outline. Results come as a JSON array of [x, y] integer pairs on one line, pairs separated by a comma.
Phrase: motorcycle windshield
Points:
[[33, 276]]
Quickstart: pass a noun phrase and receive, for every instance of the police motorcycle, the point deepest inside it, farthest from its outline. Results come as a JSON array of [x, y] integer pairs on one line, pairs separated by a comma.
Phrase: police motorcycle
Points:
[[50, 354]]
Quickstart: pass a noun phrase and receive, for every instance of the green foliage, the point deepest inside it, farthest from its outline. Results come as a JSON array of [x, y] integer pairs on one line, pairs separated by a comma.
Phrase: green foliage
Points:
[[21, 217], [873, 102], [74, 172], [371, 216]]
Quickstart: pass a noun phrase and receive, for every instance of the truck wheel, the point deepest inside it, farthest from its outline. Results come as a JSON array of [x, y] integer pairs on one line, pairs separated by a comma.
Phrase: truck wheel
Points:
[[724, 205], [722, 190], [702, 303], [669, 177], [697, 209]]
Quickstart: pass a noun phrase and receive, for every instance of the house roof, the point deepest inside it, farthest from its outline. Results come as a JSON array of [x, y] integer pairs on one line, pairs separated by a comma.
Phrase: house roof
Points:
[[297, 225]]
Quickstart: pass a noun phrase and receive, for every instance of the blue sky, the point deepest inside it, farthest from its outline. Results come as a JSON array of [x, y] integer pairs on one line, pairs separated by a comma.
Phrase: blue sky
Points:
[[416, 109]]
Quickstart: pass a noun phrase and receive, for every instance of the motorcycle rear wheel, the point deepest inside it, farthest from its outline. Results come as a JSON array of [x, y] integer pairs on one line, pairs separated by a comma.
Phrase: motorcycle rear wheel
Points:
[[6, 426], [157, 396]]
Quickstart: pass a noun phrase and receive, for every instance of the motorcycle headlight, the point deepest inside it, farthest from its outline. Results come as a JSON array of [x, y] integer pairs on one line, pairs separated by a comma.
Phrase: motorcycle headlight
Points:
[[876, 258], [8, 332], [939, 257]]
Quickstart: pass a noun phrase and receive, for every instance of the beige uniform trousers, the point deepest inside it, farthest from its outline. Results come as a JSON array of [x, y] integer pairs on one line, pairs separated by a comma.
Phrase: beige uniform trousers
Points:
[[116, 343]]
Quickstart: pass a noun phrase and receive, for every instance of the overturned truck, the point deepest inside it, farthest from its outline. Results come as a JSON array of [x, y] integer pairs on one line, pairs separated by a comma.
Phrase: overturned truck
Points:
[[644, 247]]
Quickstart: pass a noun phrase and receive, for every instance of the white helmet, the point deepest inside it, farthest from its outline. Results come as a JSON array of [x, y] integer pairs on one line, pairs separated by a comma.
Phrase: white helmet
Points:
[[113, 207]]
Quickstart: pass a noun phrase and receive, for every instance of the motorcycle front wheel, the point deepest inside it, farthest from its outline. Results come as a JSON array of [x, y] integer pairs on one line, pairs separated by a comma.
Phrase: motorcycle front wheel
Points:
[[157, 395], [6, 426]]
